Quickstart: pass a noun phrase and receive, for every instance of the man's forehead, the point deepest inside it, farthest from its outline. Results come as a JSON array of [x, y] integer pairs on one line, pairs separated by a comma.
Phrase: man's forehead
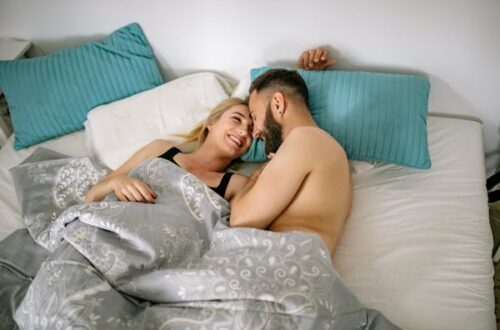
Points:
[[252, 96], [254, 101]]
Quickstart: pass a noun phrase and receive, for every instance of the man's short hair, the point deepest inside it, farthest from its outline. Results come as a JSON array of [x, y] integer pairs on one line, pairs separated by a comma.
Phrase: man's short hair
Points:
[[288, 82]]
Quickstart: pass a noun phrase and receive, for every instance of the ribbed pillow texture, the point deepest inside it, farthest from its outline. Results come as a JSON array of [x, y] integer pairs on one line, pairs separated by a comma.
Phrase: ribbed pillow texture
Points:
[[50, 96], [376, 117]]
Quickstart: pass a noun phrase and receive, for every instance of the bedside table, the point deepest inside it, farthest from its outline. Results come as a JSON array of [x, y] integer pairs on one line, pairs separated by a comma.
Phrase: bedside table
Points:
[[10, 49], [13, 49]]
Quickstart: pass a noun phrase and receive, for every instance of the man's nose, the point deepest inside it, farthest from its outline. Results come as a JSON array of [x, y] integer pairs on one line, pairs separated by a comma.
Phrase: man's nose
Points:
[[255, 132]]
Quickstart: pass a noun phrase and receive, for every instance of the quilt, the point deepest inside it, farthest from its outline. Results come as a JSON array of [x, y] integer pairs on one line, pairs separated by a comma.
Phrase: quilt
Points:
[[174, 264]]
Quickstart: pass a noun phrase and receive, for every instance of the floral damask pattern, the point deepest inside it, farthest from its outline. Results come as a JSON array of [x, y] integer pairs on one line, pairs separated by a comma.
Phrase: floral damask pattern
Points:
[[73, 181], [38, 174], [193, 192], [174, 264]]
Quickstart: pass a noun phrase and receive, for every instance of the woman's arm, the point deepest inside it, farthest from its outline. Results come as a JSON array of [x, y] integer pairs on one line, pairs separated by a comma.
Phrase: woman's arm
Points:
[[126, 188]]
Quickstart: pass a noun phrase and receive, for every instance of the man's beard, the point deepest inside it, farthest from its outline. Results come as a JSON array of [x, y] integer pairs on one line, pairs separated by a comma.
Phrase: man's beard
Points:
[[272, 132]]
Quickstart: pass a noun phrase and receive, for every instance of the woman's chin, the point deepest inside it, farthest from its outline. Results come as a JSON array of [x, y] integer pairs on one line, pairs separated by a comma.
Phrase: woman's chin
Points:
[[235, 154], [234, 151]]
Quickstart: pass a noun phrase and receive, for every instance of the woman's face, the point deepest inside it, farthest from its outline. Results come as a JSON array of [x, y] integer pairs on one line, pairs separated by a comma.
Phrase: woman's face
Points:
[[233, 131]]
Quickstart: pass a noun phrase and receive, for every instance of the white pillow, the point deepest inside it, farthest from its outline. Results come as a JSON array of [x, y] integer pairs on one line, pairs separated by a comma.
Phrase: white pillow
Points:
[[241, 90], [115, 131], [244, 81]]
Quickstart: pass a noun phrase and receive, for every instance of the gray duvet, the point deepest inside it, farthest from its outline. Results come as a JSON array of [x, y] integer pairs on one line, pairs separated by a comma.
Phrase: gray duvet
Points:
[[174, 264]]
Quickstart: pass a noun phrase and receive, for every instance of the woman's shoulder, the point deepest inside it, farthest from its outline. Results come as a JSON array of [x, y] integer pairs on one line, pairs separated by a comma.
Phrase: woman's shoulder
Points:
[[161, 143], [158, 147]]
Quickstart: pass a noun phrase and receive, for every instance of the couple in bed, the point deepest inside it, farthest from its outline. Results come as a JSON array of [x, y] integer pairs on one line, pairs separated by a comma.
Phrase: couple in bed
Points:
[[306, 185]]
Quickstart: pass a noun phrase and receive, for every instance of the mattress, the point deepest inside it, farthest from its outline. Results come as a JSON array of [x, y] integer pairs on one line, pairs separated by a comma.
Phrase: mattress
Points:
[[417, 245]]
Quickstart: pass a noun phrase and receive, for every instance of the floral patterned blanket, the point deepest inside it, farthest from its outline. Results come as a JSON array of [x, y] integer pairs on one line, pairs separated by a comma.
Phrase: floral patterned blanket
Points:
[[174, 264]]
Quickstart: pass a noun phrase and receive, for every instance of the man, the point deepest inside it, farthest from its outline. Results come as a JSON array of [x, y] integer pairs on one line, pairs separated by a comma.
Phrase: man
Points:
[[307, 185]]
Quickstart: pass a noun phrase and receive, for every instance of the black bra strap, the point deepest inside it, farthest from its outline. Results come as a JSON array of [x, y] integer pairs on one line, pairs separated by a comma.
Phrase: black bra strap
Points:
[[221, 188], [170, 154]]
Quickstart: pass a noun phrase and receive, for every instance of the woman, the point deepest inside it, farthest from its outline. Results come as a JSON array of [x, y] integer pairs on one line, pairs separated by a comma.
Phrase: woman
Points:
[[222, 138]]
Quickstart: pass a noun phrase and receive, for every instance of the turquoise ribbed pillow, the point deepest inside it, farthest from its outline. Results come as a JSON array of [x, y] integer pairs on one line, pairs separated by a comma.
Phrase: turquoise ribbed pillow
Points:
[[376, 117], [50, 96]]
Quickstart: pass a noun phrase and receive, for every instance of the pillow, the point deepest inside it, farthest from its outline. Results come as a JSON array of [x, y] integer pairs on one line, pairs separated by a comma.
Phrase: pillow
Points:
[[49, 96], [376, 117], [114, 132]]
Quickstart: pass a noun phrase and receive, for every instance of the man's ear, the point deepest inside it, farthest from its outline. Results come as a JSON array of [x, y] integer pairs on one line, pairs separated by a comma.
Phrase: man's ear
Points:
[[278, 104]]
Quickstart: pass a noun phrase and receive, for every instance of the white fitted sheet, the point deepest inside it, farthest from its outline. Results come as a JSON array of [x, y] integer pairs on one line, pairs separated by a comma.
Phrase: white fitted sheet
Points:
[[417, 245]]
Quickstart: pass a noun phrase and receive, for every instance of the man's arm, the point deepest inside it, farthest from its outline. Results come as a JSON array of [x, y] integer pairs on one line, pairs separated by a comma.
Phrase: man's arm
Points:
[[268, 192], [315, 59], [248, 185]]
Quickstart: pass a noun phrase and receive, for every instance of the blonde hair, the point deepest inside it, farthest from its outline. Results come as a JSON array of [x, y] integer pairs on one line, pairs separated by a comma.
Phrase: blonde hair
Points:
[[200, 132]]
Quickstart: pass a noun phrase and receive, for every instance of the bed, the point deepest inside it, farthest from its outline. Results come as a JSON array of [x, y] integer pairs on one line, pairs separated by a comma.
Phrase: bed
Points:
[[416, 247], [417, 242]]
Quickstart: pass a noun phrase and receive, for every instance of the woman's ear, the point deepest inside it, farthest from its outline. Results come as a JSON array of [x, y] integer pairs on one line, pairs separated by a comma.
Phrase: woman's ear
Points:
[[209, 126]]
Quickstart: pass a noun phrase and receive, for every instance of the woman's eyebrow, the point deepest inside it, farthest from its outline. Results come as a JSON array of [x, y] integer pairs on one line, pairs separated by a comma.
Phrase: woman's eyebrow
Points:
[[239, 113], [245, 118]]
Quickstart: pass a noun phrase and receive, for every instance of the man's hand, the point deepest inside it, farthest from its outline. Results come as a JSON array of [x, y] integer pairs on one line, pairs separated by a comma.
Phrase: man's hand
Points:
[[315, 59]]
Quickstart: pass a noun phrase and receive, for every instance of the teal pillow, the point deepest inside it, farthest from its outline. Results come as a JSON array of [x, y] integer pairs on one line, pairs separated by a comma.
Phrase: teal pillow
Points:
[[376, 117], [50, 96]]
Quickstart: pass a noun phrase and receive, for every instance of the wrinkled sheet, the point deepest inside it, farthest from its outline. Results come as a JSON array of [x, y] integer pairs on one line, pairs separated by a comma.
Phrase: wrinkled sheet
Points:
[[174, 264]]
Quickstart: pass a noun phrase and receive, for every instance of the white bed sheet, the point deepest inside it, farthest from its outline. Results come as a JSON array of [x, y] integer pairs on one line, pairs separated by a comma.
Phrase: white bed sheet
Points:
[[417, 245]]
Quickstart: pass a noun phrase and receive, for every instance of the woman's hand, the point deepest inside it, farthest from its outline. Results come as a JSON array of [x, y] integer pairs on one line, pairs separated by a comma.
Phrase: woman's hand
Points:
[[315, 59], [129, 189]]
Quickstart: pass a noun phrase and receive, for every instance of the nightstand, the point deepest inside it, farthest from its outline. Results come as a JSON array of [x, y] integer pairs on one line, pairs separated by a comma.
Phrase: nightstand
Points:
[[10, 49]]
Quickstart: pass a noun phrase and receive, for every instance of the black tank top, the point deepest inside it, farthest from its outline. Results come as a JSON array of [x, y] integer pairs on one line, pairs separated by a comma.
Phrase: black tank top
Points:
[[220, 189]]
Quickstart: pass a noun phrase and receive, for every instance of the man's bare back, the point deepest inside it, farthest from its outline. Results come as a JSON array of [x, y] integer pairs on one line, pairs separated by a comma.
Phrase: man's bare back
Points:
[[322, 203]]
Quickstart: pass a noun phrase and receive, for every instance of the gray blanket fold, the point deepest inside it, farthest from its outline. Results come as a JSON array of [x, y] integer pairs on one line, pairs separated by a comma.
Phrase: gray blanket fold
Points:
[[174, 264]]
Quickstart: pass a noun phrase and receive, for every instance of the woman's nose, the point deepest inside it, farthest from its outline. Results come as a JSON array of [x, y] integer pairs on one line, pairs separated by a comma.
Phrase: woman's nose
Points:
[[242, 132]]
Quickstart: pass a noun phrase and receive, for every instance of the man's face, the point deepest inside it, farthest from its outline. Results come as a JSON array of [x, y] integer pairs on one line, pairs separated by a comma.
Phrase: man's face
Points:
[[272, 132], [265, 125]]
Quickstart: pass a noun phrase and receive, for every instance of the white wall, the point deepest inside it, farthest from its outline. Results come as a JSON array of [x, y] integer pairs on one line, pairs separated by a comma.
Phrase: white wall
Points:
[[456, 43]]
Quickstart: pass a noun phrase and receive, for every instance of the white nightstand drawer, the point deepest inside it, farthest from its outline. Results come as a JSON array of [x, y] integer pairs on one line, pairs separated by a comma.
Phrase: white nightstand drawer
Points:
[[12, 49]]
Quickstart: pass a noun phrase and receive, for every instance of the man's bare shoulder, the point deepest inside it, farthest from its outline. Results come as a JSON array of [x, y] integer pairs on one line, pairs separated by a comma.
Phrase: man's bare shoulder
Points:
[[309, 133], [313, 139]]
